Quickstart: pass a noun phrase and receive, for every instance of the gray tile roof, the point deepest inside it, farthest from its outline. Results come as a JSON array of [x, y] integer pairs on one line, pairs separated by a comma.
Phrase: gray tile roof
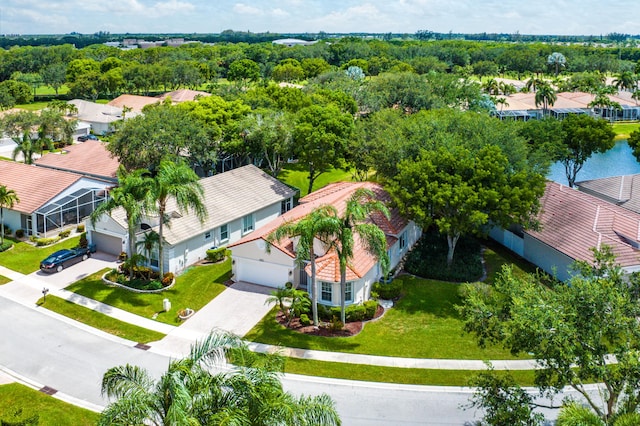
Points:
[[228, 196], [621, 190]]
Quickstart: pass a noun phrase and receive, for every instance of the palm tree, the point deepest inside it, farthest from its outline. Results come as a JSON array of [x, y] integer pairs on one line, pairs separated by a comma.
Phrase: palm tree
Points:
[[491, 86], [131, 195], [545, 96], [175, 180], [558, 60], [626, 80], [8, 198], [150, 241], [359, 208], [533, 83], [314, 226], [190, 393]]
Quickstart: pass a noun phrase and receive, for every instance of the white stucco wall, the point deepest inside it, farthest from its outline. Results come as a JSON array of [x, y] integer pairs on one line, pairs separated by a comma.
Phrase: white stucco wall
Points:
[[253, 264]]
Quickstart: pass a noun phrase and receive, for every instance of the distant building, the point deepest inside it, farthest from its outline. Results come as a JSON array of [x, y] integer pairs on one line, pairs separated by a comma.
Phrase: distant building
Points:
[[290, 42]]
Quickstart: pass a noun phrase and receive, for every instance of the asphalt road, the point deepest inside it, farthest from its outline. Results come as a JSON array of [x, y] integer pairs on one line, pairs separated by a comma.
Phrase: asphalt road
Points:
[[49, 350]]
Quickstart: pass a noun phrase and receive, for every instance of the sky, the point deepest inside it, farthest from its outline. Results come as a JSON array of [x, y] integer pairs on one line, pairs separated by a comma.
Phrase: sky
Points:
[[559, 17]]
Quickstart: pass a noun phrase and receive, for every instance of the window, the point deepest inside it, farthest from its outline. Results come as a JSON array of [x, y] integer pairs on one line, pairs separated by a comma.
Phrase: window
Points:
[[285, 206], [348, 292], [154, 258], [224, 233], [325, 296], [247, 223], [403, 241], [207, 235]]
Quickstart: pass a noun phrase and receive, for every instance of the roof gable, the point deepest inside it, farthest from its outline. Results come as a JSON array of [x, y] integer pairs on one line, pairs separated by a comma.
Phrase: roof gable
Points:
[[89, 158]]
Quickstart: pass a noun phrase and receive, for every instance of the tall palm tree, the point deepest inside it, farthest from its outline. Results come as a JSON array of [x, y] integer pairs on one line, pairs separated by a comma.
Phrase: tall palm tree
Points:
[[189, 393], [491, 86], [545, 96], [626, 80], [8, 198], [557, 60], [150, 241], [354, 221], [314, 226], [131, 195], [175, 180]]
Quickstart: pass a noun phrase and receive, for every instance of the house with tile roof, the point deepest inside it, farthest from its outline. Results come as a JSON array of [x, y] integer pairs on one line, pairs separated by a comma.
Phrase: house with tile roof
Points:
[[623, 191], [183, 95], [572, 223], [251, 262], [134, 102], [237, 202], [90, 158], [49, 199], [98, 117]]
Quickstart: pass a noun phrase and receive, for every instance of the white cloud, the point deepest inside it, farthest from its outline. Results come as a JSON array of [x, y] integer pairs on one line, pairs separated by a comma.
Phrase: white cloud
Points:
[[244, 9]]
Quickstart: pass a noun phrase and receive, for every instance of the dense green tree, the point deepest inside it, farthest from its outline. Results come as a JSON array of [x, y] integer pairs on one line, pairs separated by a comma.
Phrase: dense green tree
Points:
[[583, 137], [460, 191], [320, 137], [8, 199], [54, 76], [192, 392], [634, 143], [313, 67], [163, 130], [573, 330], [243, 70], [269, 136], [19, 127], [79, 67], [14, 92]]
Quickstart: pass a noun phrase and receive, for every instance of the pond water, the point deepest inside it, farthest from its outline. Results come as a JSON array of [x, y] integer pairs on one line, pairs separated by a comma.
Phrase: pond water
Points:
[[616, 162]]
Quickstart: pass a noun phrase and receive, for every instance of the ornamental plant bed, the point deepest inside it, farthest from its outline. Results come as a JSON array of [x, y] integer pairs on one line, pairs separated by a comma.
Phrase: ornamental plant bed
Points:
[[324, 329]]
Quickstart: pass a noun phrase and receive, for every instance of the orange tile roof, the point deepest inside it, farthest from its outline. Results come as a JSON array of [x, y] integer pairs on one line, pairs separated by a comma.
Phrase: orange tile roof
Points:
[[336, 194], [34, 186], [573, 222], [90, 158], [183, 95], [135, 102]]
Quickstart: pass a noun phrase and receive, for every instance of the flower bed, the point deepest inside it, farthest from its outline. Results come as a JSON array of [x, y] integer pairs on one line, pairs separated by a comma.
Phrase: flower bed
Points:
[[135, 290]]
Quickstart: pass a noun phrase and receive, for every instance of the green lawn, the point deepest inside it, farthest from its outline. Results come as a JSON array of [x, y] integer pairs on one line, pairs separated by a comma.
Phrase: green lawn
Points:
[[19, 402], [33, 106], [4, 280], [193, 289], [423, 324], [100, 321], [298, 176], [25, 258], [409, 376], [623, 130]]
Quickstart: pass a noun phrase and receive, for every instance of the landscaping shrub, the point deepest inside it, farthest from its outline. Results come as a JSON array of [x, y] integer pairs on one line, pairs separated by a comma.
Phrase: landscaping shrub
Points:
[[84, 243], [335, 324], [65, 233], [355, 313], [80, 228], [46, 241], [19, 233], [389, 291], [304, 320], [152, 285], [7, 230], [6, 245], [167, 279], [216, 255], [371, 307], [428, 259]]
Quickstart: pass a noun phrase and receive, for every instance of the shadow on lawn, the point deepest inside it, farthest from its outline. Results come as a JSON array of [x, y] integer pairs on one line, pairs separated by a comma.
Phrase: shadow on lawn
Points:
[[424, 296]]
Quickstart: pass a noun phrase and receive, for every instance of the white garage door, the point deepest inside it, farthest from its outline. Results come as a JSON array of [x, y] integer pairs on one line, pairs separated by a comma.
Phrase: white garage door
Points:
[[107, 243], [262, 273]]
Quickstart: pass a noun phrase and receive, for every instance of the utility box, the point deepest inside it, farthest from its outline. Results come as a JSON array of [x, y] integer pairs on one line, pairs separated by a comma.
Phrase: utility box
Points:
[[166, 305]]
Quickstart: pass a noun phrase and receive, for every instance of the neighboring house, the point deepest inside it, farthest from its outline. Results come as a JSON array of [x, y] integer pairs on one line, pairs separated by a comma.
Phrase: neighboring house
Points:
[[134, 102], [290, 42], [99, 117], [183, 95], [623, 191], [572, 223], [49, 199], [253, 264], [237, 202], [90, 159]]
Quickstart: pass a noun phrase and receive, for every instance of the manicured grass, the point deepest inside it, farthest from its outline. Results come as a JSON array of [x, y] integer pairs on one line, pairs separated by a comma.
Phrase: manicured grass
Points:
[[19, 402], [25, 258], [4, 280], [298, 176], [100, 321], [423, 324], [193, 289], [409, 376], [49, 91], [34, 106], [623, 130]]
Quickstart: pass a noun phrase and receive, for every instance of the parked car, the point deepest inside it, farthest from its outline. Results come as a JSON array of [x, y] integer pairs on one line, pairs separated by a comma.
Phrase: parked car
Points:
[[85, 138], [61, 259]]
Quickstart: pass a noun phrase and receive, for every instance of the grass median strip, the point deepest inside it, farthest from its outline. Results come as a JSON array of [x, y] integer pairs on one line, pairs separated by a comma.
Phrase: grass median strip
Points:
[[408, 376], [101, 321]]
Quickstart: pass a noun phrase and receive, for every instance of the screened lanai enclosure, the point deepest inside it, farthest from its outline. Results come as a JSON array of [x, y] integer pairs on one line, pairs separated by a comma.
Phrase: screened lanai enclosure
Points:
[[69, 210]]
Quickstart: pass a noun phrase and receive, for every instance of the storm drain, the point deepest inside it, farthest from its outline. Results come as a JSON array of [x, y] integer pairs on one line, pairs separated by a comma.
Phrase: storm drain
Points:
[[142, 346], [48, 390]]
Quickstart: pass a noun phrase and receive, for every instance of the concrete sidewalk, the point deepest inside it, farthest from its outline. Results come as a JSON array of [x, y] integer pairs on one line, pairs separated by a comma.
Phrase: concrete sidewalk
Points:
[[236, 310]]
